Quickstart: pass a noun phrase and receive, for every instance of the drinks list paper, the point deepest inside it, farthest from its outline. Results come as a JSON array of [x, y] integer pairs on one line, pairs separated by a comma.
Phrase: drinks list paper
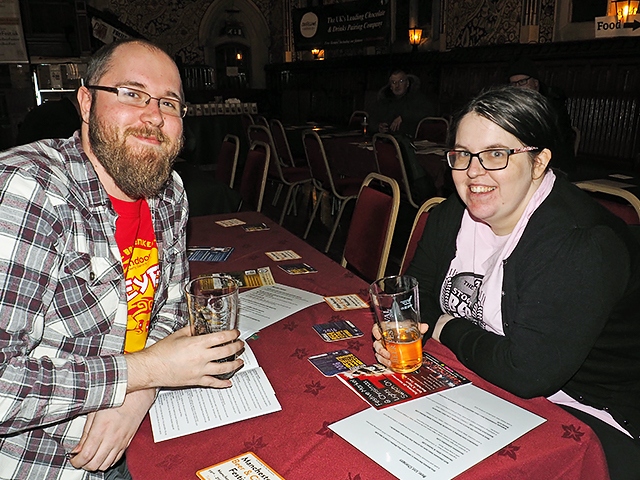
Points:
[[438, 436]]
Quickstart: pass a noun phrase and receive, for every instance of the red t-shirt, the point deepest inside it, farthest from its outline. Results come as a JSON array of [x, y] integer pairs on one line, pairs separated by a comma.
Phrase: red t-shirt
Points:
[[137, 243]]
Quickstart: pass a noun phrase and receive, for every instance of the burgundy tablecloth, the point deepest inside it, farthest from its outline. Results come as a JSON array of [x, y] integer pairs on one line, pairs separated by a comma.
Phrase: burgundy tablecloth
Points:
[[296, 441]]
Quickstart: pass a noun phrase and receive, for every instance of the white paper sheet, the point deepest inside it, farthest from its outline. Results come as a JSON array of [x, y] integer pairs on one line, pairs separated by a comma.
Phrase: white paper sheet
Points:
[[438, 436], [263, 306], [189, 410]]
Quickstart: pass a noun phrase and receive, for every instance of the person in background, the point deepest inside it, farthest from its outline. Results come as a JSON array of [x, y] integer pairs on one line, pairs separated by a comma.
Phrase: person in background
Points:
[[528, 280], [52, 119], [400, 105], [92, 266], [523, 73]]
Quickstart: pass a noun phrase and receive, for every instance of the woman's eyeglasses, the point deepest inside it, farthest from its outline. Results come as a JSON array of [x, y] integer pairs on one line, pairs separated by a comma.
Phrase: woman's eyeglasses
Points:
[[491, 159]]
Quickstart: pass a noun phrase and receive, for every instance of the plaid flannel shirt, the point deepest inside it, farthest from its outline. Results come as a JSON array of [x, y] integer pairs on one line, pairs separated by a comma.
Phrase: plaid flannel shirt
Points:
[[63, 308]]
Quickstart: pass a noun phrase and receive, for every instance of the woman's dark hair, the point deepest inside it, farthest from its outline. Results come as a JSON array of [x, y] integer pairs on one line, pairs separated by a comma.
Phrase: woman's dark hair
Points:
[[524, 113]]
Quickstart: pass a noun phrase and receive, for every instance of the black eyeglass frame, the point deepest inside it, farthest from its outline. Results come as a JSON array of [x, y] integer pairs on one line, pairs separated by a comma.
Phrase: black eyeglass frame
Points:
[[521, 82], [116, 90], [509, 151]]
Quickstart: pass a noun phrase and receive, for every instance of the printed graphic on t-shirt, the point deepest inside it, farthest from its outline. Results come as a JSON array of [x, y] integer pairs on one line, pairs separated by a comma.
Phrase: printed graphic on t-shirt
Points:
[[141, 265], [461, 296]]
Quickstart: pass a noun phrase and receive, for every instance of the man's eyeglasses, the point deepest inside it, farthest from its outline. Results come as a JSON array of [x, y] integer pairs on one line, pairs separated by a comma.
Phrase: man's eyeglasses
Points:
[[520, 83], [138, 98], [492, 159]]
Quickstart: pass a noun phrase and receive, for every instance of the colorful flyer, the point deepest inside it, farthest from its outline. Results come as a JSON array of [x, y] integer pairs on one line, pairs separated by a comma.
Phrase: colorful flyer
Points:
[[256, 227], [346, 302], [208, 254], [298, 268], [248, 465], [231, 222], [338, 330], [281, 255], [257, 277], [336, 362]]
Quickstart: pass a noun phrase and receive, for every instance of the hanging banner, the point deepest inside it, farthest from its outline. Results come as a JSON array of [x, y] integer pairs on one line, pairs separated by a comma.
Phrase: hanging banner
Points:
[[358, 23], [12, 46]]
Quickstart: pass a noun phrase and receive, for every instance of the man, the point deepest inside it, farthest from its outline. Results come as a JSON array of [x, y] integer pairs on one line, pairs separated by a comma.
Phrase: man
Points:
[[400, 105], [93, 264], [523, 73]]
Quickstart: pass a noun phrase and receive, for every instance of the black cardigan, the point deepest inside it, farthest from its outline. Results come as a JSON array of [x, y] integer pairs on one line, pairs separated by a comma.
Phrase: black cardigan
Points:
[[569, 307]]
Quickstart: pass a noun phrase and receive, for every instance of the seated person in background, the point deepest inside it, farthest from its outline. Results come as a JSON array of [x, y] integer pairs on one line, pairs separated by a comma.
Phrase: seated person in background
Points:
[[92, 265], [400, 106], [523, 73], [52, 119], [528, 280]]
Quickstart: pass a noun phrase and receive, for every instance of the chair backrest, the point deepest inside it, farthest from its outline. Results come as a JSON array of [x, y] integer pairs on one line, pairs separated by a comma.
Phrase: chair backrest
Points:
[[371, 230], [260, 133], [318, 162], [228, 159], [281, 143], [261, 120], [610, 197], [576, 139], [389, 162], [254, 176], [433, 129], [356, 119], [417, 230]]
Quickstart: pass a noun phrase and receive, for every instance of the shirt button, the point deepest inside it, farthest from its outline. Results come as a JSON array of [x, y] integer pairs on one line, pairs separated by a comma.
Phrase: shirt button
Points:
[[92, 276]]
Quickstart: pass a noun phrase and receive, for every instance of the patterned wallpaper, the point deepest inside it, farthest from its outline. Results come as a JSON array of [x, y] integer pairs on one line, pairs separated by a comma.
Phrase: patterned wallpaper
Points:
[[173, 24], [472, 23]]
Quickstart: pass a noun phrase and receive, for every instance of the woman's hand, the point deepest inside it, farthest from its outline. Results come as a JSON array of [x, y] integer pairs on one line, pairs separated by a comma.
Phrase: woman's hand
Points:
[[382, 354]]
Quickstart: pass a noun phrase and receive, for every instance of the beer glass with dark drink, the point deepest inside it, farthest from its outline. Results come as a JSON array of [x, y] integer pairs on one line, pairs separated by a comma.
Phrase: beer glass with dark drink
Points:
[[397, 311], [213, 307]]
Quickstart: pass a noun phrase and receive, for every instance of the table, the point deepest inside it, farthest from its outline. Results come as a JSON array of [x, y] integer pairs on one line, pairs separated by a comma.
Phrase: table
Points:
[[296, 441]]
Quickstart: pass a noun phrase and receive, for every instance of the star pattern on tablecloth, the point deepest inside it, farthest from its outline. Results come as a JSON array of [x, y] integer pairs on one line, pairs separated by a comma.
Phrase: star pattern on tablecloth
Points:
[[300, 353], [314, 388], [354, 344], [573, 432], [364, 294], [254, 444], [355, 477], [290, 325], [349, 274], [325, 430], [509, 451], [169, 462]]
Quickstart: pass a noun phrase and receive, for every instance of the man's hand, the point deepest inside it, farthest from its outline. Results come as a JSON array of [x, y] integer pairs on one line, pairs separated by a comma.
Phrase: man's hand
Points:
[[383, 127], [181, 360], [395, 125], [107, 433]]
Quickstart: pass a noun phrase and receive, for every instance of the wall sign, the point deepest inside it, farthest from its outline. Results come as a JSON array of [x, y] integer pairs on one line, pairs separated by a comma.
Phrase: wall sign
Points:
[[358, 23], [12, 46], [613, 27]]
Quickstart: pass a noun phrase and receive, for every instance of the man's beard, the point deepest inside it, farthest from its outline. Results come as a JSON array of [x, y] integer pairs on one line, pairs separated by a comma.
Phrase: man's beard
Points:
[[140, 172]]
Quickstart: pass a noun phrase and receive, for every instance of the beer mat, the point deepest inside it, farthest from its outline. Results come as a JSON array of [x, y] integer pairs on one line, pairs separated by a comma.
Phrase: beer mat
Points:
[[255, 227], [281, 255], [208, 254], [257, 277], [337, 330], [298, 268], [248, 465], [336, 362], [346, 302], [231, 222]]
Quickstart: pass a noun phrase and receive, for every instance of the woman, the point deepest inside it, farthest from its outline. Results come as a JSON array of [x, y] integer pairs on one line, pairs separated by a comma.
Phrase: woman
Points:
[[531, 283]]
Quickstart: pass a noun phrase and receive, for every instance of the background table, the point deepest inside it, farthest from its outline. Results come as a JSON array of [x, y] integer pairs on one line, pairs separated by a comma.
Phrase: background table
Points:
[[296, 441]]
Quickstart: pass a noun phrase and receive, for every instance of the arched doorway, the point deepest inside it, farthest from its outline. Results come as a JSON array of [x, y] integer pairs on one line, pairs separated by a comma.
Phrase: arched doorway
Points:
[[236, 40]]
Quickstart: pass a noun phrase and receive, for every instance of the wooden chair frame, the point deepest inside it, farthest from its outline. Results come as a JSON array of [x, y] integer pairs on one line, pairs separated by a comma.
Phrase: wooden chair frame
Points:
[[395, 195], [424, 208], [432, 119], [263, 183], [404, 181], [236, 141], [596, 187]]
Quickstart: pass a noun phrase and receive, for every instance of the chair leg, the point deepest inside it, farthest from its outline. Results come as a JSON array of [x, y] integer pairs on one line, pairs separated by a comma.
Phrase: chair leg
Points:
[[277, 195], [343, 204], [285, 207], [313, 215]]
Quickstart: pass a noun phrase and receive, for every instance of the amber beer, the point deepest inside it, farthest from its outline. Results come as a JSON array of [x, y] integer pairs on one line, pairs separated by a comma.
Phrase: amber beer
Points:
[[405, 347], [397, 310]]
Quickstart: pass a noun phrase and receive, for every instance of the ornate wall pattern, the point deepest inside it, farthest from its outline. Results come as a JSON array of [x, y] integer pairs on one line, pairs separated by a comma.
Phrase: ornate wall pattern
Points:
[[547, 20], [472, 23]]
